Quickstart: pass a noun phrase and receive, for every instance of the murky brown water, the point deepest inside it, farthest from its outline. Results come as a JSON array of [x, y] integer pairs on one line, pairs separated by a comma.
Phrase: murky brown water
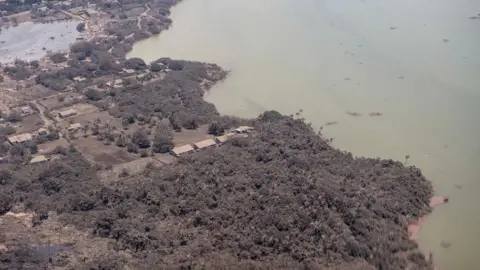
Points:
[[417, 62], [27, 40]]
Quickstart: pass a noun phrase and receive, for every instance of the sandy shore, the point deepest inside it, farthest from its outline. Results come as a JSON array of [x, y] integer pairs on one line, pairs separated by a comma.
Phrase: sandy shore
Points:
[[414, 228]]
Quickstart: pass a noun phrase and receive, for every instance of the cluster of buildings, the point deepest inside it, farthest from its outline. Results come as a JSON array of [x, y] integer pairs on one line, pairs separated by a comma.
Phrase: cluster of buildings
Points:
[[189, 148]]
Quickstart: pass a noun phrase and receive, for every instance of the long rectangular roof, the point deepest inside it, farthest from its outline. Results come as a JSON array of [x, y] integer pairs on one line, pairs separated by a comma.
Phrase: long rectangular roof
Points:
[[20, 138], [182, 149], [205, 143]]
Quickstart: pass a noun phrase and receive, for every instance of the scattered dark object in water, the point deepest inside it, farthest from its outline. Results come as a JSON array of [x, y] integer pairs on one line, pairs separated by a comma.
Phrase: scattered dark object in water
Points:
[[475, 17], [393, 27], [43, 48], [401, 77], [347, 79], [406, 158], [445, 146], [445, 40], [331, 123], [445, 200], [354, 113], [52, 37], [458, 186], [445, 244], [375, 114], [361, 63]]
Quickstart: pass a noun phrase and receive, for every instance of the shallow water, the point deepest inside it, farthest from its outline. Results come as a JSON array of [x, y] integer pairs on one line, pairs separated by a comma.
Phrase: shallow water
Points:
[[27, 40], [417, 62]]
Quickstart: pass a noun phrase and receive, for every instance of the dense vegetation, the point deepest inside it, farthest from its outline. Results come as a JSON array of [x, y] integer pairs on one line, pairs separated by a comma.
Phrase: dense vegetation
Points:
[[283, 198]]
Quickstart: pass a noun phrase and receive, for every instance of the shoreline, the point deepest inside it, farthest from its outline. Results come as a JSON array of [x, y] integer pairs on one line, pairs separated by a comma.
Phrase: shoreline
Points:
[[97, 31], [414, 228]]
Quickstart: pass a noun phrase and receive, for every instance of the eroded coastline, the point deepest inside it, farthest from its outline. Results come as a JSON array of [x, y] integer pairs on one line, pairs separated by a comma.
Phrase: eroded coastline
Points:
[[194, 198]]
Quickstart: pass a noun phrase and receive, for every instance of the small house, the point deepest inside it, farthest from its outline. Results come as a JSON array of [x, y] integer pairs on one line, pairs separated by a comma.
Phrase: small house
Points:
[[74, 127], [21, 138], [67, 113], [79, 79], [244, 129], [222, 139], [42, 131], [205, 144], [25, 109], [129, 70], [181, 150], [38, 159]]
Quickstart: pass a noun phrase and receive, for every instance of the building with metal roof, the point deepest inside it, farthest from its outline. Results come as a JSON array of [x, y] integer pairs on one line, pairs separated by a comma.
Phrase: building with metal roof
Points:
[[204, 144], [243, 129], [74, 127], [38, 159], [224, 138], [181, 150], [67, 113], [20, 138]]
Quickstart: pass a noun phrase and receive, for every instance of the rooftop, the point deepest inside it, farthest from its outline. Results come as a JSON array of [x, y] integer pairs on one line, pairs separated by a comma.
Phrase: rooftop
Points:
[[20, 138], [205, 143], [68, 112], [224, 138], [242, 129], [182, 149], [74, 126], [38, 159], [79, 79], [129, 70]]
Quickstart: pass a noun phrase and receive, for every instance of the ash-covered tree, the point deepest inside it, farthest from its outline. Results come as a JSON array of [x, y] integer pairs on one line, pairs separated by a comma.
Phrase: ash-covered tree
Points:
[[58, 58], [14, 116], [135, 63], [121, 141], [216, 129], [34, 64], [140, 138], [81, 27], [162, 143], [93, 95], [156, 67]]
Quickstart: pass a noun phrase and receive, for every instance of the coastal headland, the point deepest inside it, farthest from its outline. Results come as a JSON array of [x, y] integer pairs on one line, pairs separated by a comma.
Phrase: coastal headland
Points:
[[114, 163]]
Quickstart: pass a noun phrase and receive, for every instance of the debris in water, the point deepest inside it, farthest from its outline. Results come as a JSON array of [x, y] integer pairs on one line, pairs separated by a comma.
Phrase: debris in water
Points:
[[393, 27], [401, 77], [331, 123], [445, 40], [458, 186], [445, 244], [347, 79], [354, 113], [375, 114]]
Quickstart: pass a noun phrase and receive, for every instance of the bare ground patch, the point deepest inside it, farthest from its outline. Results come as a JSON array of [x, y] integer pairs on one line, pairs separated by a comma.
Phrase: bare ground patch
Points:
[[29, 123], [48, 147], [126, 169], [96, 152], [60, 100], [191, 136]]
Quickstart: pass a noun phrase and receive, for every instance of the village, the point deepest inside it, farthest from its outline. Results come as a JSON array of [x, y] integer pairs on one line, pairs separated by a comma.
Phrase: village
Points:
[[48, 122], [69, 119]]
